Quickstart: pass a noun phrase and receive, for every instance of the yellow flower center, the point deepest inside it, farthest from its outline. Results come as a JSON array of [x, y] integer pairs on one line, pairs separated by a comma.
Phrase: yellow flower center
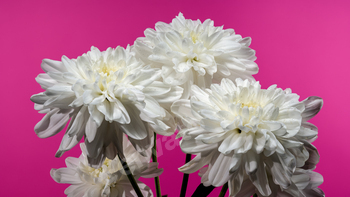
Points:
[[194, 37], [96, 172], [250, 104], [105, 69]]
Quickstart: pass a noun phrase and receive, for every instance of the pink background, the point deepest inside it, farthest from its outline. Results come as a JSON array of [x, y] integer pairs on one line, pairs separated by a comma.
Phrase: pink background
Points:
[[303, 45]]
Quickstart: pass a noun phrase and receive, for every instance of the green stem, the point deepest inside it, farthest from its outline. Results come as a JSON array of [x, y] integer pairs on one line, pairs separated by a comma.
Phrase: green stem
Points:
[[255, 195], [130, 177], [154, 159], [185, 179], [223, 190]]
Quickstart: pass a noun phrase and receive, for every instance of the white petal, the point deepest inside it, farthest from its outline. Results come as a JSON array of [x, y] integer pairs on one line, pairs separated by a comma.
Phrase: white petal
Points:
[[259, 179], [65, 175], [194, 146], [236, 182], [164, 93], [40, 98], [195, 164], [136, 128], [235, 142], [218, 174], [142, 145], [77, 124], [52, 123], [182, 109], [152, 171], [91, 129], [52, 66], [68, 143], [45, 81], [251, 163], [98, 100], [313, 105], [75, 190], [95, 114], [259, 142], [146, 77], [212, 138]]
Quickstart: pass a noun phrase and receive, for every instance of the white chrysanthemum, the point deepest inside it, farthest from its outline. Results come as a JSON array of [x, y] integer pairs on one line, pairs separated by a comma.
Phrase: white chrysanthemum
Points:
[[103, 94], [241, 130], [190, 52], [108, 180]]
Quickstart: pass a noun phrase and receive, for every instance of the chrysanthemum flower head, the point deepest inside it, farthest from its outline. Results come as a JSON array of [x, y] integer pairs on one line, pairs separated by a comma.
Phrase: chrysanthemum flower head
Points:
[[103, 94], [241, 130], [110, 180], [191, 52]]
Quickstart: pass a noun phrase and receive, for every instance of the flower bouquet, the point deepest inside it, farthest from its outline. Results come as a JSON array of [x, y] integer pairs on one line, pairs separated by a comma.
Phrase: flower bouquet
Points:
[[188, 76]]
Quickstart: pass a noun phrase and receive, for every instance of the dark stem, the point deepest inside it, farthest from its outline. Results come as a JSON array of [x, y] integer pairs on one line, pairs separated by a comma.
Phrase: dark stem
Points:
[[154, 159], [130, 177], [223, 190], [255, 195], [185, 178], [202, 190]]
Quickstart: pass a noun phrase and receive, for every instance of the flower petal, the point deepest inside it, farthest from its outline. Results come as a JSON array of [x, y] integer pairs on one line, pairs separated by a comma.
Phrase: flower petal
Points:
[[136, 128], [218, 174], [52, 123], [313, 105]]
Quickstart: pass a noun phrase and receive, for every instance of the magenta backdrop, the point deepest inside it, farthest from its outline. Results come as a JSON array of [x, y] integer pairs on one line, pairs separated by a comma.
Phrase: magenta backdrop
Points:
[[301, 45]]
